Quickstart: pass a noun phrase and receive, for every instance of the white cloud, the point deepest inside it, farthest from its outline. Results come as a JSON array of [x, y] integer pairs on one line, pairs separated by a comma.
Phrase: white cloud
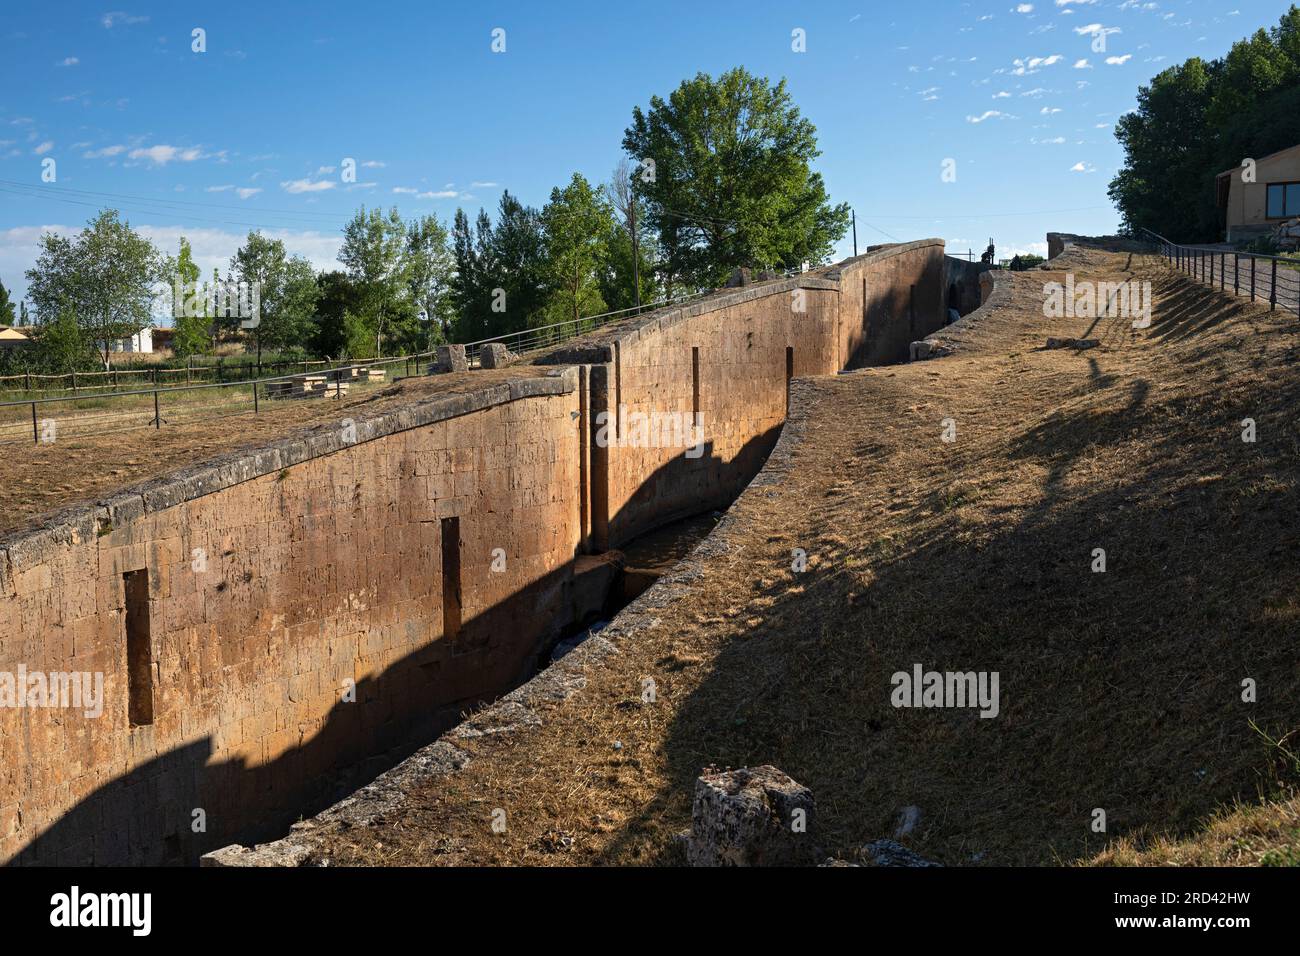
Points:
[[44, 148], [68, 61], [306, 185], [1118, 60], [107, 151], [1083, 168], [162, 154], [110, 20], [373, 164], [246, 191], [987, 115]]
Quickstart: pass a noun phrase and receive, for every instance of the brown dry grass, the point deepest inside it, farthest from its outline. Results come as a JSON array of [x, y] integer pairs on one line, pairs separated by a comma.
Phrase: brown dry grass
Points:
[[1119, 690], [38, 479]]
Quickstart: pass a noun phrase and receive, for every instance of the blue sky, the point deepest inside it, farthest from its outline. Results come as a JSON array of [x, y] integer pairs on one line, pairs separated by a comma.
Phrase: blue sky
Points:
[[253, 132]]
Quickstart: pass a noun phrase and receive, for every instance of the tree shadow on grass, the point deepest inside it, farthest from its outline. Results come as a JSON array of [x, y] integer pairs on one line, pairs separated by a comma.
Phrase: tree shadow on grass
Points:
[[1120, 691]]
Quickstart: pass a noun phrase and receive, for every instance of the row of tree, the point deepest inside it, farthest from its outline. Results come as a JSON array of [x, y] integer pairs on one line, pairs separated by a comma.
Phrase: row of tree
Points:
[[1199, 118], [716, 176]]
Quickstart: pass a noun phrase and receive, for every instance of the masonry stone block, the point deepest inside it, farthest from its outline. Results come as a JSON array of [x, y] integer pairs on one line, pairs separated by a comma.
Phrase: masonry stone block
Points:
[[751, 817], [495, 355], [449, 358]]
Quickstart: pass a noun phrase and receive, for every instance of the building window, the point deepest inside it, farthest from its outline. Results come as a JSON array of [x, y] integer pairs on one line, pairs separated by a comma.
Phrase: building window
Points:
[[1283, 200]]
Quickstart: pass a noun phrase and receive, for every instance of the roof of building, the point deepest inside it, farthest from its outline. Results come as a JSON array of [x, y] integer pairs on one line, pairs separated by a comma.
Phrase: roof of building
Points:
[[1228, 172]]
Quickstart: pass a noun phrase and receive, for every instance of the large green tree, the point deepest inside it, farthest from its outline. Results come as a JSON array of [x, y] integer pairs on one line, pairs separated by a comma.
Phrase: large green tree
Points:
[[287, 292], [500, 285], [1200, 118], [191, 316], [374, 256], [577, 223], [106, 277], [430, 265], [731, 182]]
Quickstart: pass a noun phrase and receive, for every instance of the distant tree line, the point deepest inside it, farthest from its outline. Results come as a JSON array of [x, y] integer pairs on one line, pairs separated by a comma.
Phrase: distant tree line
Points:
[[716, 176], [1200, 118]]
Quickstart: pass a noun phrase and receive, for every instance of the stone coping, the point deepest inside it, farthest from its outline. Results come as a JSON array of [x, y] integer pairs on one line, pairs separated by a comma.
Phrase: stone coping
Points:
[[20, 550], [597, 347]]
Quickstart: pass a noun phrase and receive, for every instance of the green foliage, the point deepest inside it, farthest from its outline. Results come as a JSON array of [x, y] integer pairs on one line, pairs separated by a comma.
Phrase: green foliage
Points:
[[1025, 262], [105, 277], [6, 306], [618, 278], [287, 293], [337, 298], [501, 271], [1198, 119], [358, 342], [732, 183], [62, 346], [191, 330], [430, 267], [577, 222], [374, 255]]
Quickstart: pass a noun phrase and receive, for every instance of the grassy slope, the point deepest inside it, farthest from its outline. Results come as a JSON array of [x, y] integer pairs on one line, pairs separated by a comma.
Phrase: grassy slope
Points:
[[1119, 690]]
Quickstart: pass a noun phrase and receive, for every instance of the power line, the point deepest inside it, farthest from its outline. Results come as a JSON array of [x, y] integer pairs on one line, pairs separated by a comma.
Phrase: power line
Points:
[[161, 213], [993, 215]]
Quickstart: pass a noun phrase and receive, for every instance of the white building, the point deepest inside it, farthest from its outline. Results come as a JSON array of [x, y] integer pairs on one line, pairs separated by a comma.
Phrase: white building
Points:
[[142, 341]]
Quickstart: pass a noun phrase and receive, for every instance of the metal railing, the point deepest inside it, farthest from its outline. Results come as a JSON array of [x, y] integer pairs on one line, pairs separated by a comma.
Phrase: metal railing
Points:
[[1273, 279], [543, 337], [258, 387], [522, 342]]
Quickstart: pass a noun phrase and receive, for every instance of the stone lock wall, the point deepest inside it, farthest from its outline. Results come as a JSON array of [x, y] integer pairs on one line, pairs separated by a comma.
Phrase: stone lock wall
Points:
[[323, 567], [267, 600]]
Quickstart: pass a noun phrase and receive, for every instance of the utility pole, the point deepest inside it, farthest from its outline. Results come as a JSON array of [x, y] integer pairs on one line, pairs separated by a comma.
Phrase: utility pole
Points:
[[855, 231], [636, 246]]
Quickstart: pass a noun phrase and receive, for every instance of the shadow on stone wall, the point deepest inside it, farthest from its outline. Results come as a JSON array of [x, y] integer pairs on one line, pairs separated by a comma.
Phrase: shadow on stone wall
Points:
[[145, 817]]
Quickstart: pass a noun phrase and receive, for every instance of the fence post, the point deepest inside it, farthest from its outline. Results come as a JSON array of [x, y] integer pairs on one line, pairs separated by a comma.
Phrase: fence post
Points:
[[74, 381], [1272, 289], [1253, 260], [36, 434], [1236, 273], [254, 398], [157, 419], [1223, 271]]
